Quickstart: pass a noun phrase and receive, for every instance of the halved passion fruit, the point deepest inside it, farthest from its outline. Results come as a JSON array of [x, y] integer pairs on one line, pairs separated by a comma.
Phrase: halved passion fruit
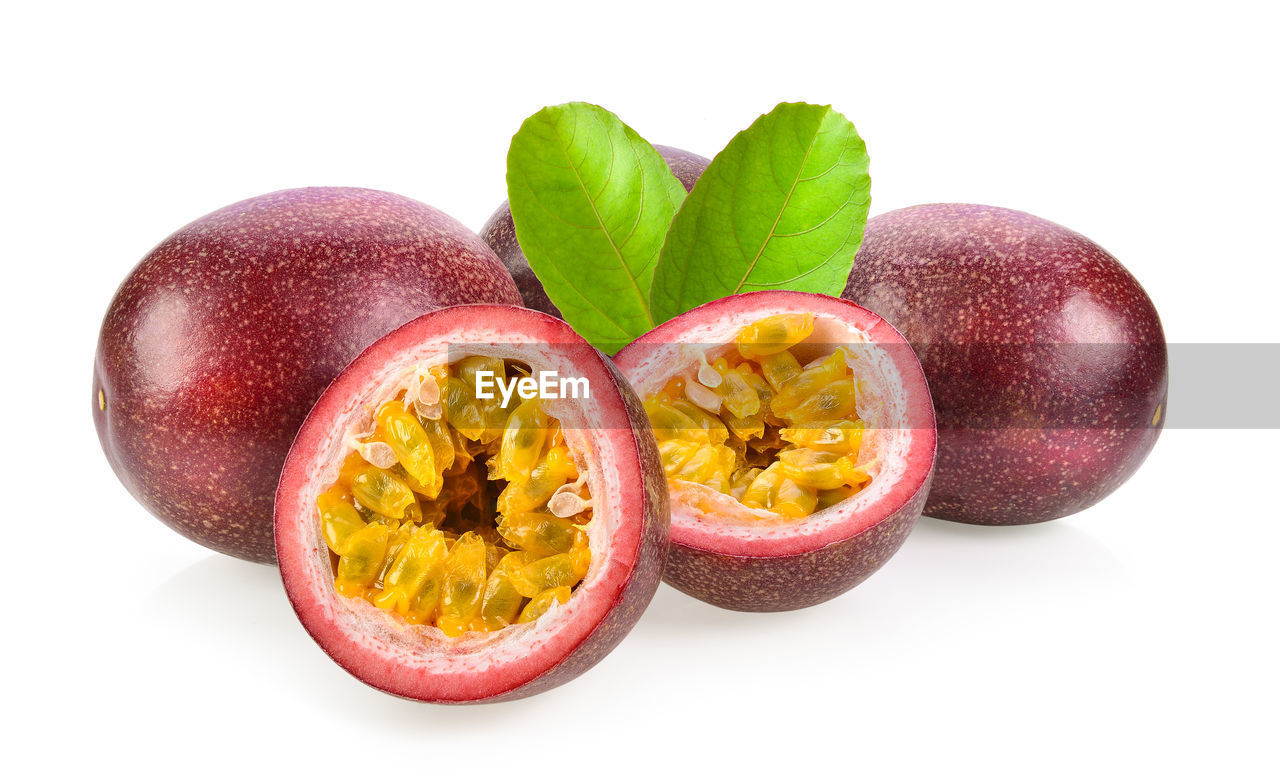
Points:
[[474, 510], [797, 434]]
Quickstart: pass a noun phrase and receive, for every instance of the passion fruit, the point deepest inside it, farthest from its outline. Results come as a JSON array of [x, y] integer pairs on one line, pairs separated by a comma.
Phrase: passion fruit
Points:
[[221, 339], [1046, 358], [797, 436], [444, 544], [500, 231]]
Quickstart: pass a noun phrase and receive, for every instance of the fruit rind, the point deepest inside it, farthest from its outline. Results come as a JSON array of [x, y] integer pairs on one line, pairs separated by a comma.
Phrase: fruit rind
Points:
[[762, 584], [630, 546]]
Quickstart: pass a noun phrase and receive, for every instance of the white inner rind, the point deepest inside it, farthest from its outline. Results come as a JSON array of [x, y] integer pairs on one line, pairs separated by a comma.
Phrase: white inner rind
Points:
[[700, 514], [422, 646]]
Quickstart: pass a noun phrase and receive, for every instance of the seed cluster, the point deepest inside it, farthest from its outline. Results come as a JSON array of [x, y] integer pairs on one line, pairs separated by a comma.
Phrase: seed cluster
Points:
[[458, 512], [782, 438]]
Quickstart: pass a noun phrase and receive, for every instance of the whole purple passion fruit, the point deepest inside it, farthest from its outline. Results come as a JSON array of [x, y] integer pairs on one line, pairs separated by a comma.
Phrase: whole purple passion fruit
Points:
[[500, 231], [1045, 357], [217, 344]]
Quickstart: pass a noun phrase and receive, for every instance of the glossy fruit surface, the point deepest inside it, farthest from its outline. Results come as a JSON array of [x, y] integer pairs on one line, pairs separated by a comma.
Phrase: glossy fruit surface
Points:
[[1046, 358], [793, 493], [467, 658], [500, 232], [217, 344]]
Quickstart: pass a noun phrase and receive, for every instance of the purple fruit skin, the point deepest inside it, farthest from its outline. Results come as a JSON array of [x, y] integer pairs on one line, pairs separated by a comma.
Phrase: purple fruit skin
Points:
[[960, 281], [764, 584], [217, 344], [500, 231]]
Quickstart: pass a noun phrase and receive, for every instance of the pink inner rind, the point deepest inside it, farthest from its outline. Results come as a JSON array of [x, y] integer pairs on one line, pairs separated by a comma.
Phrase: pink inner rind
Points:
[[418, 663], [782, 565]]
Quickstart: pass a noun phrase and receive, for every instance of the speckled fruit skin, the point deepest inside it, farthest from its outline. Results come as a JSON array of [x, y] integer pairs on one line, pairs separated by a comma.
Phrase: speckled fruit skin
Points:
[[747, 573], [221, 339], [986, 296], [765, 584], [500, 231], [558, 649]]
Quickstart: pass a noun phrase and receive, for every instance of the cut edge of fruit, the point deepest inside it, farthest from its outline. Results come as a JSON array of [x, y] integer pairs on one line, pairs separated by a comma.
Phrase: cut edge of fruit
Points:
[[410, 657], [903, 433]]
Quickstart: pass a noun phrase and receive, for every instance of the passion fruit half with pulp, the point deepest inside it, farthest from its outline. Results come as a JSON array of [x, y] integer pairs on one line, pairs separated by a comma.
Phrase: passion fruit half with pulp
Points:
[[448, 533], [797, 435]]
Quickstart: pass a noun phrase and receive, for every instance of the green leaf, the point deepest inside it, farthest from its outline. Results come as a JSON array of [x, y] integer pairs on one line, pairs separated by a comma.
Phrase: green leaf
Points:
[[783, 206], [592, 202]]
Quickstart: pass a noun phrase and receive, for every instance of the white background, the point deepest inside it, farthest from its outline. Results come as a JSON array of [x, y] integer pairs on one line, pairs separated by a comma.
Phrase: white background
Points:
[[1140, 633]]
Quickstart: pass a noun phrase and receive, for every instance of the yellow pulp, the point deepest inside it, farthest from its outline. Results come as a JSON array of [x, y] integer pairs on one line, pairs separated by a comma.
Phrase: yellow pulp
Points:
[[457, 533], [779, 436]]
